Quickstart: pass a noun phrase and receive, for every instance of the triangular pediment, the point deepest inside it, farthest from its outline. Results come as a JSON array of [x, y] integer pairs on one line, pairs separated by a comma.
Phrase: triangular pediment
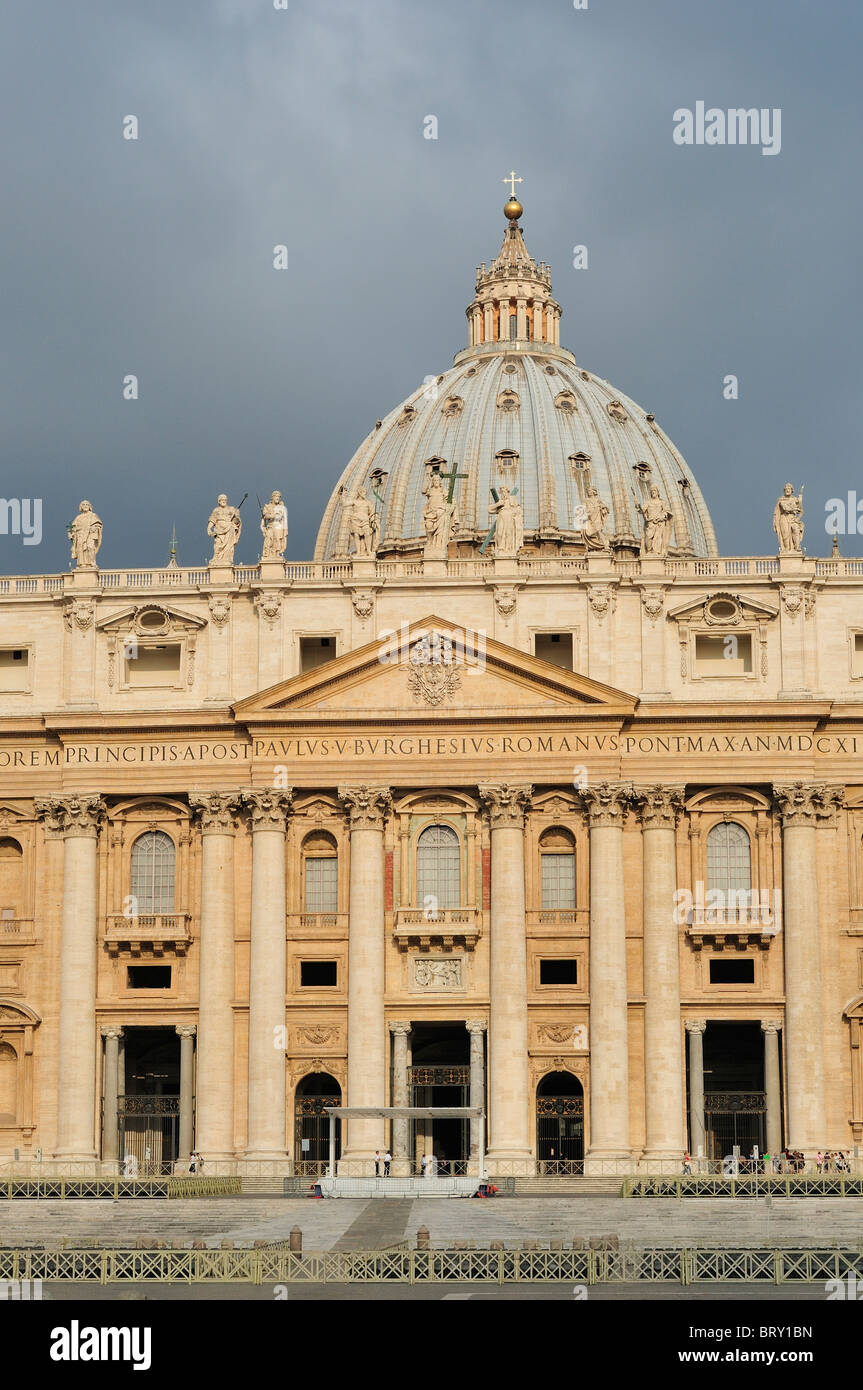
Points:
[[434, 667]]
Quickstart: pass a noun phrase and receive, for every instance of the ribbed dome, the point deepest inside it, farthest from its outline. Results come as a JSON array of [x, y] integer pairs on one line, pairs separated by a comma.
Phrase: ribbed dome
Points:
[[520, 410]]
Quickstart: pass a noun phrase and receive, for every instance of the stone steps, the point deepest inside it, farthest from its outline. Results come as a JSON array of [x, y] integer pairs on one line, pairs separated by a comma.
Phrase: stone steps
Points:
[[568, 1187]]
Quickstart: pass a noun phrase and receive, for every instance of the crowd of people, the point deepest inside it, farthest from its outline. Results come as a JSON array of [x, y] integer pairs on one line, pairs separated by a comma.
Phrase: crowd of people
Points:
[[787, 1161]]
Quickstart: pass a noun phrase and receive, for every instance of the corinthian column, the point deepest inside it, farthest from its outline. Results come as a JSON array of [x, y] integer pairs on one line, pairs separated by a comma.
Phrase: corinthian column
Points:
[[186, 1032], [606, 805], [268, 810], [112, 1036], [508, 1099], [215, 1073], [476, 1029], [659, 810], [367, 1073], [400, 1032], [77, 818], [770, 1029], [695, 1030], [801, 806]]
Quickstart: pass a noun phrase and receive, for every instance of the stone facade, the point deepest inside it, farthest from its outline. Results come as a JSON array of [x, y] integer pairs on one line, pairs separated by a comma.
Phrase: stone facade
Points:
[[374, 828]]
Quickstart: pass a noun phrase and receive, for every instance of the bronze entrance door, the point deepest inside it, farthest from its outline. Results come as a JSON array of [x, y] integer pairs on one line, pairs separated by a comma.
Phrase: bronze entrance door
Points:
[[148, 1131], [560, 1134]]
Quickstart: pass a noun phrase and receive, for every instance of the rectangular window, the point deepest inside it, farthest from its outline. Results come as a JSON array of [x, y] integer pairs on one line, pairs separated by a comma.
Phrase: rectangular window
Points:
[[318, 974], [857, 655], [149, 976], [558, 972], [15, 669], [316, 651], [732, 972], [554, 647], [151, 667], [322, 885], [558, 881], [729, 655]]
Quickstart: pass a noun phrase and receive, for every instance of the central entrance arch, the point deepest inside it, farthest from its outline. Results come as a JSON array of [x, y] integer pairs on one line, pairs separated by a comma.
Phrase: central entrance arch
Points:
[[560, 1124]]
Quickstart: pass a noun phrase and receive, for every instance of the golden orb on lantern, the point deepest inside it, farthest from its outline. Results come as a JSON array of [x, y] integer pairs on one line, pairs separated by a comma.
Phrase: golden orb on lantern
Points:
[[513, 210]]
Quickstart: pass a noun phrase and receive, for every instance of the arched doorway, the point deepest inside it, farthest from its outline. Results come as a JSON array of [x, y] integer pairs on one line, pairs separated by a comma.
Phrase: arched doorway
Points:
[[560, 1124], [313, 1097]]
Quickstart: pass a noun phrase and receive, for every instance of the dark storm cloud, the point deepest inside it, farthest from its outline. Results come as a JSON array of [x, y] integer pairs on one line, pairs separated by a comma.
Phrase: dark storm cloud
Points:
[[305, 127]]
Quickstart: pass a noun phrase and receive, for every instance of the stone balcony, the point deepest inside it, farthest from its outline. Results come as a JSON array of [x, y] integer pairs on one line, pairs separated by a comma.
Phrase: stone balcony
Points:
[[156, 933], [567, 921], [755, 924], [17, 931], [315, 924], [451, 926]]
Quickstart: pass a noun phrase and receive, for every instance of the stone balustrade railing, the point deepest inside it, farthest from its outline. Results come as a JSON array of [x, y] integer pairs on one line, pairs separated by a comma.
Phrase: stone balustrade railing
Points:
[[336, 571]]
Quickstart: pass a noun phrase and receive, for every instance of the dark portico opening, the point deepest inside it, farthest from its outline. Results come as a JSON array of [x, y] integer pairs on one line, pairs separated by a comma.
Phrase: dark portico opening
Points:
[[734, 1091], [149, 1103], [440, 1075]]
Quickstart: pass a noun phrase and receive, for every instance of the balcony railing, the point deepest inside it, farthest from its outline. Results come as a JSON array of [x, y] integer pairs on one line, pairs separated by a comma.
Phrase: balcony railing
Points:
[[17, 929], [317, 921], [757, 922], [157, 932], [448, 927]]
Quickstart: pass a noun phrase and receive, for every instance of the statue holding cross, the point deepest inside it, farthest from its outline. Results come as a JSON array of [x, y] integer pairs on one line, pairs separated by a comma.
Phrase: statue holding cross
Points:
[[440, 515]]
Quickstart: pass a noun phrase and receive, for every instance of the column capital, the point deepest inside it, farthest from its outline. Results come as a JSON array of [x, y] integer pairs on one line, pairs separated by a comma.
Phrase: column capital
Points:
[[186, 1030], [606, 802], [506, 803], [658, 807], [111, 1030], [771, 1025], [72, 815], [268, 807], [215, 810], [803, 803], [400, 1028], [476, 1025], [367, 806], [695, 1025]]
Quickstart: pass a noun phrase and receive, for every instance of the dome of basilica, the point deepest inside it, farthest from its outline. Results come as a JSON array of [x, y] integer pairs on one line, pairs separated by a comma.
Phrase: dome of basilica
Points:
[[517, 408]]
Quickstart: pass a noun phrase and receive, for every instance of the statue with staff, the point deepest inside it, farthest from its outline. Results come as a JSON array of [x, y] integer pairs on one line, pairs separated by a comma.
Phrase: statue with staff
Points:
[[225, 526], [85, 536], [788, 521]]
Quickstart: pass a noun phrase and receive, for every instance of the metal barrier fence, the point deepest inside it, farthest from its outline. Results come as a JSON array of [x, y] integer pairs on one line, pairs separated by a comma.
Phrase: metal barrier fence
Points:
[[45, 1189], [276, 1265], [750, 1185]]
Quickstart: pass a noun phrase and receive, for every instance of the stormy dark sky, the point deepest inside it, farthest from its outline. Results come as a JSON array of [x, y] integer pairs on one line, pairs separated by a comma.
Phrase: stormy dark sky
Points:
[[305, 127]]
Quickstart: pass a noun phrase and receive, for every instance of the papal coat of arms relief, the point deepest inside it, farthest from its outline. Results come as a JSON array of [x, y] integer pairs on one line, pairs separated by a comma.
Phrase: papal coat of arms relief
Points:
[[433, 675]]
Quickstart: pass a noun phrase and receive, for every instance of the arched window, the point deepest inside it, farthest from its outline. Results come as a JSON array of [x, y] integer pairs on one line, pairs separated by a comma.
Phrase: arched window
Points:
[[729, 866], [320, 873], [438, 867], [11, 878], [153, 859], [8, 1084], [557, 864]]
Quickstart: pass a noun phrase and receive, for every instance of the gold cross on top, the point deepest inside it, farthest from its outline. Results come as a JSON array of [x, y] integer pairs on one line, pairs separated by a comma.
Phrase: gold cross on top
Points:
[[512, 181]]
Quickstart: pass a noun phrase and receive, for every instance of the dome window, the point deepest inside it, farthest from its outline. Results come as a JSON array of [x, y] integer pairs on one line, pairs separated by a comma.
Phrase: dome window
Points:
[[580, 462], [453, 405], [508, 400], [407, 415], [506, 460], [643, 470], [616, 411], [565, 401]]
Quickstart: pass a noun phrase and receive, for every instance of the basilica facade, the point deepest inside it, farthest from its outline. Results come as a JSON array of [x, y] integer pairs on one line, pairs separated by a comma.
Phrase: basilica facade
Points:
[[518, 795]]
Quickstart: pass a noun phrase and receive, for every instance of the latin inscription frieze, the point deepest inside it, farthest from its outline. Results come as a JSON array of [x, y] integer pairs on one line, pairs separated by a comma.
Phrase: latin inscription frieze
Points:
[[365, 747]]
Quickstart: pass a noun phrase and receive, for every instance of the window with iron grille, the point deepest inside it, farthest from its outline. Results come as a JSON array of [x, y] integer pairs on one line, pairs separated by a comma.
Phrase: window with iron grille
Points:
[[322, 884], [153, 861], [729, 867], [438, 866]]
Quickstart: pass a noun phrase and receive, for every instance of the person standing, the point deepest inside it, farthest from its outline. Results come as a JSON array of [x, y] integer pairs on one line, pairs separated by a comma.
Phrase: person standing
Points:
[[388, 1158], [377, 1163], [423, 1163]]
